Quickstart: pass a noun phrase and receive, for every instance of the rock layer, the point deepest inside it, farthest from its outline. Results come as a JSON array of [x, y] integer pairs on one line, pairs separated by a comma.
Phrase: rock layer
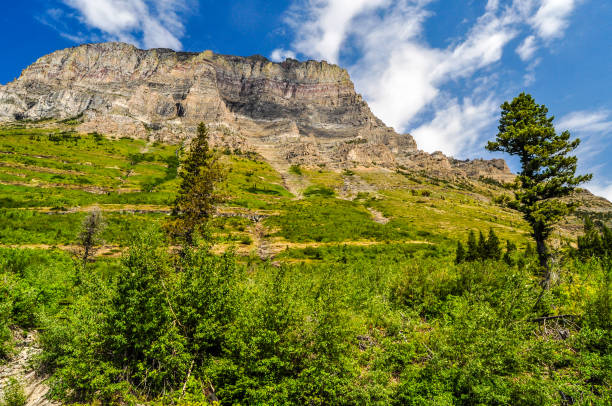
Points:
[[290, 112]]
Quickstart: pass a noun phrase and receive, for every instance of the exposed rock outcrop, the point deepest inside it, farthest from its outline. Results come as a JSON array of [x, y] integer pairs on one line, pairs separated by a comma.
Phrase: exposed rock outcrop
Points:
[[289, 112]]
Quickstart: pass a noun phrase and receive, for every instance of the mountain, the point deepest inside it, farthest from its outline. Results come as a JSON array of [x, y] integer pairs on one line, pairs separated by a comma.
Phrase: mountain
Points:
[[292, 112]]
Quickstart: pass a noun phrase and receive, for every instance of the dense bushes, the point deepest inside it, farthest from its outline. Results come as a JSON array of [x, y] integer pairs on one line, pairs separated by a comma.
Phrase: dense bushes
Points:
[[192, 320], [380, 325]]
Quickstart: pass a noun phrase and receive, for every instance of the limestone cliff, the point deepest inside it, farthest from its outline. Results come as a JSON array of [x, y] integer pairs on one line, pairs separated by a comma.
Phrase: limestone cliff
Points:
[[289, 112]]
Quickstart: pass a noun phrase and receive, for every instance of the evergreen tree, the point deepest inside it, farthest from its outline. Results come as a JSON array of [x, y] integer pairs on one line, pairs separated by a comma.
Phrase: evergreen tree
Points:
[[483, 248], [510, 250], [460, 254], [589, 244], [472, 248], [595, 243], [548, 172], [607, 239], [89, 237], [494, 250], [194, 205]]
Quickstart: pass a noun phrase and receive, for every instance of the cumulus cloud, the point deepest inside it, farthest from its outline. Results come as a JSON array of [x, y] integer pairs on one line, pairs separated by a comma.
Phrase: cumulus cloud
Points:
[[144, 23], [405, 80]]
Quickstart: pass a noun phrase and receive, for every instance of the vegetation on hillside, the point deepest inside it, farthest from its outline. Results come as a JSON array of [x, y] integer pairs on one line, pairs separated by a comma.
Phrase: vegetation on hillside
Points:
[[350, 311]]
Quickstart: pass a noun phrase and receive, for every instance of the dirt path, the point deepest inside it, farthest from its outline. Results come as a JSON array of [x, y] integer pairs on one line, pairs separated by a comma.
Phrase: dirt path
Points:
[[20, 368], [378, 216], [105, 250], [265, 247]]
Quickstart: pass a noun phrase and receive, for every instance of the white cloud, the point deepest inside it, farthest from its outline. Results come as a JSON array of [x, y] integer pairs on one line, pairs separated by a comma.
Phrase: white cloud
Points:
[[144, 23], [527, 48], [457, 126], [279, 55], [595, 131], [551, 19], [601, 189], [405, 79], [321, 26], [587, 121]]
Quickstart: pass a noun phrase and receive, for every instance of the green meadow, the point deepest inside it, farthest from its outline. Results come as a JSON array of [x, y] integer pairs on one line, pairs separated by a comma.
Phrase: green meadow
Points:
[[317, 297]]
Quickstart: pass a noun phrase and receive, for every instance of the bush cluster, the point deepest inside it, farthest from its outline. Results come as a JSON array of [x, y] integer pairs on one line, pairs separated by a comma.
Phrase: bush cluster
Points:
[[596, 241], [481, 250]]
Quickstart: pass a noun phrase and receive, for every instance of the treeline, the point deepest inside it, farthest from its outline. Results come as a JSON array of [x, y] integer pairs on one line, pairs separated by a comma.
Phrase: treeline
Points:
[[490, 248], [596, 241]]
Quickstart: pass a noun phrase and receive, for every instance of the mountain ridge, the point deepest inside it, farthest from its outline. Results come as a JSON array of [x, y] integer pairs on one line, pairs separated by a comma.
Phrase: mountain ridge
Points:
[[291, 113]]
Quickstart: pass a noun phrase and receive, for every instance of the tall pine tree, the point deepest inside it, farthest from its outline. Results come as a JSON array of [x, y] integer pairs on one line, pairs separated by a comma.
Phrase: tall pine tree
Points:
[[548, 172]]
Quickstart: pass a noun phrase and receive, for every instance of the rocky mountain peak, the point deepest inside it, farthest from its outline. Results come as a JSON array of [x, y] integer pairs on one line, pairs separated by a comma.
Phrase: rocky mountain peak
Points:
[[290, 112]]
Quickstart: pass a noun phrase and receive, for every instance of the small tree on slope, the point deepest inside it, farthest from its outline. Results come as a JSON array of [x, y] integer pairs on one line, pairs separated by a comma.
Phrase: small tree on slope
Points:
[[194, 205], [89, 237], [548, 172]]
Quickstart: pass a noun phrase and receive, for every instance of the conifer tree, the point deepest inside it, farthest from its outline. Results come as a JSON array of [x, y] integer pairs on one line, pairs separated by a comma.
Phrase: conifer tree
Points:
[[460, 254], [589, 244], [548, 172], [89, 237], [194, 205], [595, 243], [493, 246], [472, 248], [483, 248], [607, 238], [510, 249]]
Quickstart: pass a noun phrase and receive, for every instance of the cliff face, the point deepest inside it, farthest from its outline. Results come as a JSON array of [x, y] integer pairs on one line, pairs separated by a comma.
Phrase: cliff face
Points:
[[290, 112]]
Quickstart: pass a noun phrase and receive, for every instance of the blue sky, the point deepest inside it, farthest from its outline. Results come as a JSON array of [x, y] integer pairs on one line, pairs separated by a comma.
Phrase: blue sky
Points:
[[438, 69]]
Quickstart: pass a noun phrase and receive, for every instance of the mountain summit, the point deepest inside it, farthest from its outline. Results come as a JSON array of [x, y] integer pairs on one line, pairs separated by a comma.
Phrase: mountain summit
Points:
[[291, 112]]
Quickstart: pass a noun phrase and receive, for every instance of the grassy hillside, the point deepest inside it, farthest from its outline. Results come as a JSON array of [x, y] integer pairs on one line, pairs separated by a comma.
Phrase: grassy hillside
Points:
[[346, 293], [50, 179]]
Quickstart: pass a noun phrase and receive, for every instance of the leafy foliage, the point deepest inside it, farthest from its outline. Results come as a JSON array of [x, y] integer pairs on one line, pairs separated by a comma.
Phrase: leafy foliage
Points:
[[14, 394], [353, 311]]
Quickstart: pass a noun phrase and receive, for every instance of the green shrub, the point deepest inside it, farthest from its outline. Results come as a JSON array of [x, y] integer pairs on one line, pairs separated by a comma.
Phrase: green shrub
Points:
[[321, 191], [295, 169], [14, 394]]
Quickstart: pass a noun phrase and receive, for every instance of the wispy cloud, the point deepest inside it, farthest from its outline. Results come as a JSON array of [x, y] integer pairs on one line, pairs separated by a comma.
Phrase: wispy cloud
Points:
[[552, 18], [144, 23], [595, 130], [322, 26], [603, 190], [527, 48], [407, 81], [587, 121]]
